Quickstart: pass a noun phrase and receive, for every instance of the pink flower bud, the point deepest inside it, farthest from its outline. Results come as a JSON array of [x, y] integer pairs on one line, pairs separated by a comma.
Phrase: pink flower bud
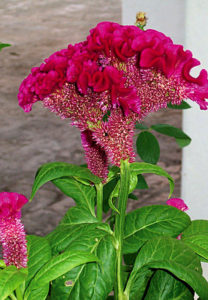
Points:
[[178, 203]]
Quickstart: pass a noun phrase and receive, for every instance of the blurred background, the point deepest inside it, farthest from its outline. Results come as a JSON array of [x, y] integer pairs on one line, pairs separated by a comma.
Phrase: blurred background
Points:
[[36, 29]]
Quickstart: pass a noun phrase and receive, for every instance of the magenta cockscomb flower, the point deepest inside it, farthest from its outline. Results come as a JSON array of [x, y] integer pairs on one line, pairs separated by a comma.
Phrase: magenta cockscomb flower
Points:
[[178, 203], [12, 234], [110, 81]]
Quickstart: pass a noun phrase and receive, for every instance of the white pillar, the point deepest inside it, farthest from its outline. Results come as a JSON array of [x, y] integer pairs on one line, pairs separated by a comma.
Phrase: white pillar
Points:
[[166, 16], [195, 122]]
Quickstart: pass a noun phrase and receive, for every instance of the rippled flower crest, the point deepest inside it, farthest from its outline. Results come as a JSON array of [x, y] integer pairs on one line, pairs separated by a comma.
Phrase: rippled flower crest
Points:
[[107, 83]]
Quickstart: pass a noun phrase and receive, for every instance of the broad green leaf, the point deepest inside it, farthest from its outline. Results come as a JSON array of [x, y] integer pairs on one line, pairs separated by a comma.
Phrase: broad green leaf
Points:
[[10, 279], [198, 243], [64, 234], [142, 168], [196, 237], [59, 265], [174, 256], [193, 278], [148, 222], [141, 126], [55, 170], [148, 147], [183, 105], [196, 227], [83, 195], [165, 286], [141, 183], [89, 281], [2, 45], [39, 293], [140, 283], [182, 139], [39, 253], [77, 215]]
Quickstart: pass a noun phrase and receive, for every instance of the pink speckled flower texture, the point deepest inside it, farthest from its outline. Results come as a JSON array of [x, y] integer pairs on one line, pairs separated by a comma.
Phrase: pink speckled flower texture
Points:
[[178, 203], [107, 83], [12, 234]]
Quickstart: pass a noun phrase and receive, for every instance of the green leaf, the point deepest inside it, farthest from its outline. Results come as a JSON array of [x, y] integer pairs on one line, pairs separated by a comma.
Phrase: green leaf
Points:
[[148, 222], [196, 237], [2, 264], [38, 293], [107, 190], [141, 126], [10, 279], [183, 105], [174, 256], [182, 139], [165, 286], [83, 195], [78, 215], [59, 265], [196, 227], [89, 281], [141, 168], [133, 197], [113, 172], [55, 170], [148, 147], [39, 253], [116, 189], [140, 283], [198, 243], [94, 238], [2, 45], [64, 234], [141, 183]]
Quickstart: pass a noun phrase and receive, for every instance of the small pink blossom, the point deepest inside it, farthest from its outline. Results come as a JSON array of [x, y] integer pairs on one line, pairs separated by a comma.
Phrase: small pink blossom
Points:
[[12, 234], [178, 203]]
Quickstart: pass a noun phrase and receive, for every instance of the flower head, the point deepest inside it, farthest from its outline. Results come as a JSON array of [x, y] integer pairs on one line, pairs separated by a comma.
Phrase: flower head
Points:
[[121, 72], [12, 234], [178, 203]]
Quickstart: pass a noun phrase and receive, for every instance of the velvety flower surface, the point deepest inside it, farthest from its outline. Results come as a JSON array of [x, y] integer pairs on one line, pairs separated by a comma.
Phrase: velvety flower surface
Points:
[[12, 234], [110, 81], [178, 203]]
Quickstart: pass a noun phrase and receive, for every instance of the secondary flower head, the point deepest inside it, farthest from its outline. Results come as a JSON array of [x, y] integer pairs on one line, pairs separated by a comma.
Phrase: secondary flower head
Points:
[[12, 234], [110, 81], [178, 203]]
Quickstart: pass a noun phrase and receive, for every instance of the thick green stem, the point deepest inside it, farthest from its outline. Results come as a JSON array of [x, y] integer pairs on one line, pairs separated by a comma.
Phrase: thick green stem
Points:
[[119, 226], [99, 188]]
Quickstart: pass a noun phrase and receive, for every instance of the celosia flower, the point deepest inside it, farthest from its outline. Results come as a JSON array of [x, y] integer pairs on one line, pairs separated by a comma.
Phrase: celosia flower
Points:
[[178, 203], [107, 83], [12, 234]]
